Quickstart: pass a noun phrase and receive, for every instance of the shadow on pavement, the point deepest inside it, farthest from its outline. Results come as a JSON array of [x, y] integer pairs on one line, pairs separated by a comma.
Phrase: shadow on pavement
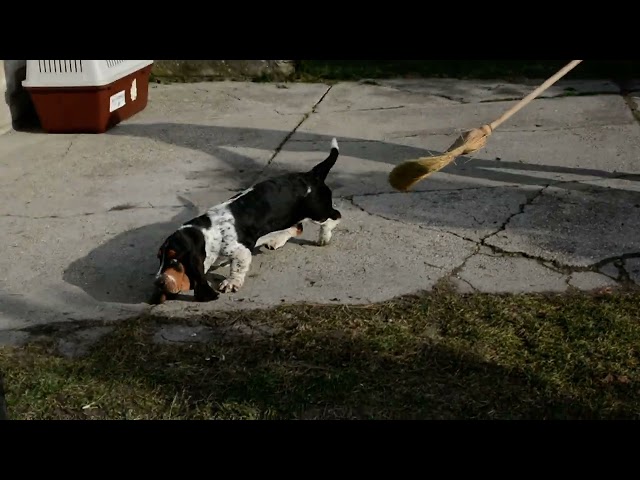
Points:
[[122, 269], [391, 154], [127, 263], [340, 376]]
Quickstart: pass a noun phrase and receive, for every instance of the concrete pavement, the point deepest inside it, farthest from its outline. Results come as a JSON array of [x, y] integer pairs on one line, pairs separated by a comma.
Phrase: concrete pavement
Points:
[[552, 202]]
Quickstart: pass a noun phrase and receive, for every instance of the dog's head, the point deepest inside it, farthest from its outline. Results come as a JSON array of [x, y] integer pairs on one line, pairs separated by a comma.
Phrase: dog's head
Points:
[[319, 199], [319, 202], [174, 254]]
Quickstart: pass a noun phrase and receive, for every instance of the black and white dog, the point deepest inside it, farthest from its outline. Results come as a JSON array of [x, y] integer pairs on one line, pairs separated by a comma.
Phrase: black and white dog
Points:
[[269, 213]]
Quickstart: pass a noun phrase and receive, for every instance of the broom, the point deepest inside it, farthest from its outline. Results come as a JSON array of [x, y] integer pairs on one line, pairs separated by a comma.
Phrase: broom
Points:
[[407, 174]]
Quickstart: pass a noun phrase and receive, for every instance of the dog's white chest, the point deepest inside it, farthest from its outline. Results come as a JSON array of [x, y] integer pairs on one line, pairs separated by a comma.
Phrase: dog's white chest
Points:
[[221, 239]]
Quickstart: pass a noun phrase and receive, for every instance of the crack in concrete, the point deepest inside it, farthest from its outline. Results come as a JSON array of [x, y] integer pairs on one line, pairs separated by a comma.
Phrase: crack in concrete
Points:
[[631, 103], [551, 264], [292, 132], [559, 267], [285, 114], [88, 214], [374, 109], [466, 281], [559, 129], [620, 258], [522, 207], [61, 217], [447, 97], [463, 101], [619, 261], [350, 198], [567, 282], [395, 192], [68, 148], [505, 130], [346, 140], [554, 97], [431, 94], [456, 271], [231, 96], [621, 176], [623, 275]]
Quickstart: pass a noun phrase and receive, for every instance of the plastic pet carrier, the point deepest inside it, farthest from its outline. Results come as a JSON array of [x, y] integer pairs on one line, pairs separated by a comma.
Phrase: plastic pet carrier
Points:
[[87, 96]]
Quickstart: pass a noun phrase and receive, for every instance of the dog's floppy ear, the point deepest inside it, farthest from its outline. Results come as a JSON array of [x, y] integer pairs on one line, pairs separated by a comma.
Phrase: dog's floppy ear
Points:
[[175, 247], [168, 249], [194, 270], [322, 169], [191, 254]]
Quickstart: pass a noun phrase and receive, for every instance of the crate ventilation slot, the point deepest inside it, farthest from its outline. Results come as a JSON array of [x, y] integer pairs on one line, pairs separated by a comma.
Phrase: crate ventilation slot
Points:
[[60, 66]]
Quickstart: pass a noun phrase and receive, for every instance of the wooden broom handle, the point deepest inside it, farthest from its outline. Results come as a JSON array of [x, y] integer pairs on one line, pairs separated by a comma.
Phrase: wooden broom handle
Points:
[[526, 100]]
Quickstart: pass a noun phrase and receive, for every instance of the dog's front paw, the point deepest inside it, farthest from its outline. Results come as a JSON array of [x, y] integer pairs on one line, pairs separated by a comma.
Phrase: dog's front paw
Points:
[[324, 238], [230, 285], [326, 229], [157, 297], [205, 294]]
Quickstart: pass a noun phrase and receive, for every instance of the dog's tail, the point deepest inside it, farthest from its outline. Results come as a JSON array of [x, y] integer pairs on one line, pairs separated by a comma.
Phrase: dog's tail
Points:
[[322, 169]]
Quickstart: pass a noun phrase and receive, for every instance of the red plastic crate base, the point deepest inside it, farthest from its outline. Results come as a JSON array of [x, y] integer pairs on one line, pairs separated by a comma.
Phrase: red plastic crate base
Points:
[[91, 109]]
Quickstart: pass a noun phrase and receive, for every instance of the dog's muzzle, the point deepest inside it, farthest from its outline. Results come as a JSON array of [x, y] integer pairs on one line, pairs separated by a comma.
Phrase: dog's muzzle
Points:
[[172, 281], [166, 283]]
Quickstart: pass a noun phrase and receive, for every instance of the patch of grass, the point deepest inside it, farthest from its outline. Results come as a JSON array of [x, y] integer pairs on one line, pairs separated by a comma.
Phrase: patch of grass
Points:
[[432, 356], [315, 70]]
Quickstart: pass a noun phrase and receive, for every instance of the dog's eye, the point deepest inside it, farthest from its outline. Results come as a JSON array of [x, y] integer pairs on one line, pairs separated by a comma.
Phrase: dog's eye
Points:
[[171, 253]]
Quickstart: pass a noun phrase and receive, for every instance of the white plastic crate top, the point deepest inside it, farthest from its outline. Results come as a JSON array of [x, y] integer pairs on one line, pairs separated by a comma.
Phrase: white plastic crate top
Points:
[[79, 73]]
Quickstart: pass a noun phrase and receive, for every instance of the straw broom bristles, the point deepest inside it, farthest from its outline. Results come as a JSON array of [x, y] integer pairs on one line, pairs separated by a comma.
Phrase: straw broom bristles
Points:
[[407, 174]]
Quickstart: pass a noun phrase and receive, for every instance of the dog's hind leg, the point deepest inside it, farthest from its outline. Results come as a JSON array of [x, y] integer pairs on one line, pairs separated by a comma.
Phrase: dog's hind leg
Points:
[[275, 240], [240, 262]]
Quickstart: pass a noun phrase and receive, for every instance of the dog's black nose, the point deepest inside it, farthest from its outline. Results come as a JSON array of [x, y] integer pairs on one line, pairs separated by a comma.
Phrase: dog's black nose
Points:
[[159, 281]]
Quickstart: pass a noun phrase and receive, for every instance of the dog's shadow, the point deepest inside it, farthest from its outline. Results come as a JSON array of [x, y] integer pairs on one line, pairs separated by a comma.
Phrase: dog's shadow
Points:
[[122, 269]]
